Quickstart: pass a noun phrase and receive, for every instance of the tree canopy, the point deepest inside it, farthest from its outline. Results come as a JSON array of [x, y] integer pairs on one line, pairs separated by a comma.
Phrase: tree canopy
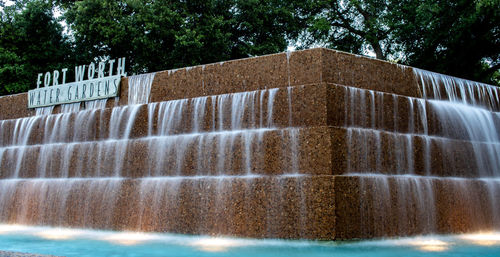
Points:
[[460, 38], [157, 35], [456, 37], [31, 40]]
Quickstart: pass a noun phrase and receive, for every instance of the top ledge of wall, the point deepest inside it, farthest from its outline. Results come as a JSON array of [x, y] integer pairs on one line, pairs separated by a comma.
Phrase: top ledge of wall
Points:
[[311, 66]]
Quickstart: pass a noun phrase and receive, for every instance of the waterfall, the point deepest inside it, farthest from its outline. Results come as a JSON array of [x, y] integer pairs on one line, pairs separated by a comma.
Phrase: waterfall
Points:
[[403, 149], [58, 201], [466, 110], [44, 110], [101, 153], [438, 125], [96, 104], [443, 87], [73, 144], [277, 160], [139, 88], [413, 208], [72, 107]]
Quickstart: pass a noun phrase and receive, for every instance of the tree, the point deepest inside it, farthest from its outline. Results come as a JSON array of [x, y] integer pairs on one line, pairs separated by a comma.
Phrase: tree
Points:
[[31, 41], [460, 38], [456, 37], [156, 35], [355, 26]]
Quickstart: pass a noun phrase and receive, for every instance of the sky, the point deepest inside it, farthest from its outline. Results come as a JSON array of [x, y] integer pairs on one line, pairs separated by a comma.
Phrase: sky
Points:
[[9, 3]]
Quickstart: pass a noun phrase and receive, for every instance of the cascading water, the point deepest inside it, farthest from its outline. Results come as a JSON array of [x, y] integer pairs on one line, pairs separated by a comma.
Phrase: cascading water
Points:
[[443, 87], [393, 141], [140, 88], [466, 110], [322, 160], [97, 152]]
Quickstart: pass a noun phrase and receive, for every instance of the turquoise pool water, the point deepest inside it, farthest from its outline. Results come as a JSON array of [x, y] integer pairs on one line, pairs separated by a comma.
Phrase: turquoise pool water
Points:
[[74, 242]]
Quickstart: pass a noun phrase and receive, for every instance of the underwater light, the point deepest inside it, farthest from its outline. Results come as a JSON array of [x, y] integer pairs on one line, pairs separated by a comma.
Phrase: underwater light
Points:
[[4, 229], [430, 245], [58, 234], [485, 239], [216, 244], [128, 238]]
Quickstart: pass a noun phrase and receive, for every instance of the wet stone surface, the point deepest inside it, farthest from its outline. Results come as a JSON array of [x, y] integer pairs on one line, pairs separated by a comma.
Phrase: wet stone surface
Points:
[[314, 144]]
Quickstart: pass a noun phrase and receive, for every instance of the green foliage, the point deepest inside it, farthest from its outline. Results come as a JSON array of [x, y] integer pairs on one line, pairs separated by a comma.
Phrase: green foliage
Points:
[[157, 35], [152, 34], [31, 41], [456, 37], [354, 26], [460, 38]]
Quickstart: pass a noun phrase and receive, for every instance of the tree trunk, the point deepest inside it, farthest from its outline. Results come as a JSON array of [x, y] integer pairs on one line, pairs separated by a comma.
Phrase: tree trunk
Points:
[[378, 50]]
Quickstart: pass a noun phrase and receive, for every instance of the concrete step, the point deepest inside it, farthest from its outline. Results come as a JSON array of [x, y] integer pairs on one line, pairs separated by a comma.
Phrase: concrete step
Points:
[[272, 71], [318, 150], [300, 106], [258, 206], [274, 108], [387, 206], [261, 151], [315, 207], [371, 151]]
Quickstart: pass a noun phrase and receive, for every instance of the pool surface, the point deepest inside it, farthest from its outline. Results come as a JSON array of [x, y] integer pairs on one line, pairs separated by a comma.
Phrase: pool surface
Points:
[[76, 242]]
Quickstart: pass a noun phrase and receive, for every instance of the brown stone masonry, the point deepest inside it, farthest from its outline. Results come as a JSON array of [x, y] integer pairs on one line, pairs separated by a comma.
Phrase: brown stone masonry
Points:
[[314, 144]]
